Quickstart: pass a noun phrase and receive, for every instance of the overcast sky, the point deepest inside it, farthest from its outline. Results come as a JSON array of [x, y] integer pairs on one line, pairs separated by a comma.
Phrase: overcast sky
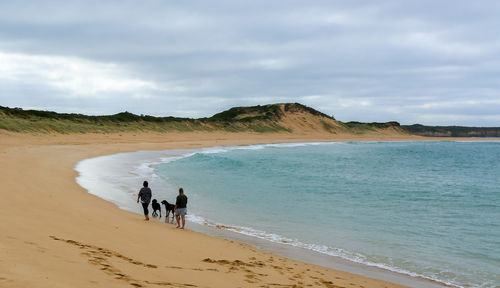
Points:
[[429, 62]]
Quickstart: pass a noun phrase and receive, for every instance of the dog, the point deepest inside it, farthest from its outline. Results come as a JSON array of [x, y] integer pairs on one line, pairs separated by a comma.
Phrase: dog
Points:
[[169, 208], [156, 207]]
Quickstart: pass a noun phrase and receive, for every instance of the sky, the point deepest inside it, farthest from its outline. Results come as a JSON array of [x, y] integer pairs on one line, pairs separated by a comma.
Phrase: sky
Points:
[[427, 62]]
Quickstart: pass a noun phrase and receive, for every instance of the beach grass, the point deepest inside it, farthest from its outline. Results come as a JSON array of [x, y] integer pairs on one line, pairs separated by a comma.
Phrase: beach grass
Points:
[[257, 119], [41, 125]]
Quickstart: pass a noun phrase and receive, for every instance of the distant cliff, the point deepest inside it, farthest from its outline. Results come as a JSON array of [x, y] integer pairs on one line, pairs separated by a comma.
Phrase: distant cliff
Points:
[[452, 131]]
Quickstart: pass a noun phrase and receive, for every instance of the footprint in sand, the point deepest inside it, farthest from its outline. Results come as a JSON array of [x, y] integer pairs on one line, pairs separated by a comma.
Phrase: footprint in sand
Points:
[[100, 257]]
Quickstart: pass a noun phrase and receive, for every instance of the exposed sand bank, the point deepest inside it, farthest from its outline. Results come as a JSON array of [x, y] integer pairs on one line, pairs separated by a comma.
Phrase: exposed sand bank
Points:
[[55, 234]]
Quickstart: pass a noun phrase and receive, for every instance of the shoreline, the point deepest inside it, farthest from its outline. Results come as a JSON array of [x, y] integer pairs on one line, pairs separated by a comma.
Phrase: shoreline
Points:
[[59, 227], [320, 259]]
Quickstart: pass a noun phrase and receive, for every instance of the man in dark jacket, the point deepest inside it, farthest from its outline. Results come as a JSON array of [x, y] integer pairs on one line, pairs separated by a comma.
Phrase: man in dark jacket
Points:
[[145, 197]]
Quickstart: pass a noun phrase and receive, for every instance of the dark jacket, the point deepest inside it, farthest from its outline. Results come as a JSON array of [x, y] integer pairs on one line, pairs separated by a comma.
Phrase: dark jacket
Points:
[[145, 195], [181, 201]]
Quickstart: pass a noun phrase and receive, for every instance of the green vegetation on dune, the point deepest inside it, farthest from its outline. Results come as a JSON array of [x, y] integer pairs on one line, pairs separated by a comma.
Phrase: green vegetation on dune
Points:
[[372, 125], [362, 128], [36, 124], [264, 112], [453, 131], [120, 117], [292, 107], [248, 114], [259, 119], [35, 121]]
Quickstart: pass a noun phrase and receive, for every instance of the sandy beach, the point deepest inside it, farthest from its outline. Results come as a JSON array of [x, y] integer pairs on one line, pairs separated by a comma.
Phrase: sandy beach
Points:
[[55, 234], [322, 144]]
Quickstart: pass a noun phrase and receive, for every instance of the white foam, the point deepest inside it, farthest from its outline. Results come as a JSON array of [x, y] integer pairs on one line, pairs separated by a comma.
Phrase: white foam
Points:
[[174, 158], [224, 149], [144, 170]]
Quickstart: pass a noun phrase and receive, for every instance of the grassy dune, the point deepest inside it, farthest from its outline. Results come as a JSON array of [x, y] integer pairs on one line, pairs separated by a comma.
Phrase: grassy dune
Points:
[[34, 121], [289, 117]]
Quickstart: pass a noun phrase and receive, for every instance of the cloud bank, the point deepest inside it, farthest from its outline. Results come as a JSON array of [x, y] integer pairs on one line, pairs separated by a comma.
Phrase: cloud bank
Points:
[[435, 63]]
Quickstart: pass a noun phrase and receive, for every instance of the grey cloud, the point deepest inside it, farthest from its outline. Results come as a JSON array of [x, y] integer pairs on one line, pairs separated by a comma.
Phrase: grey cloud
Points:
[[367, 61]]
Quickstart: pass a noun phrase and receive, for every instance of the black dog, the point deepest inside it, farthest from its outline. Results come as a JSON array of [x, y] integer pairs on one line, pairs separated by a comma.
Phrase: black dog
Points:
[[168, 207], [156, 207]]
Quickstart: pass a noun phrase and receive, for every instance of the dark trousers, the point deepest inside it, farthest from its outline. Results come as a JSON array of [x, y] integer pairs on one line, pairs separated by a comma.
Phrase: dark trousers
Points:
[[145, 207]]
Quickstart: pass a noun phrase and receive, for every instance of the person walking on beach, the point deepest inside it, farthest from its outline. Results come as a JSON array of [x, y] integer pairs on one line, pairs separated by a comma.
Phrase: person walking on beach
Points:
[[145, 197], [180, 208]]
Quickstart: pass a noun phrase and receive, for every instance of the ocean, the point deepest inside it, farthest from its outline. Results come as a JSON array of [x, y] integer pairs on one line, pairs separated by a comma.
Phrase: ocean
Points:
[[429, 210]]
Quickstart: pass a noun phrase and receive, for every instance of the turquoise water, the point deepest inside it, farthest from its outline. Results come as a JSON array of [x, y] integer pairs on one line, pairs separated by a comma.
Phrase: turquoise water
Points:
[[427, 209]]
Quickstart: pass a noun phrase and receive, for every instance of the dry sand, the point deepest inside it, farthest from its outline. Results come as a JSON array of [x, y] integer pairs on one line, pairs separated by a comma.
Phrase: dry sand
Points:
[[55, 234]]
